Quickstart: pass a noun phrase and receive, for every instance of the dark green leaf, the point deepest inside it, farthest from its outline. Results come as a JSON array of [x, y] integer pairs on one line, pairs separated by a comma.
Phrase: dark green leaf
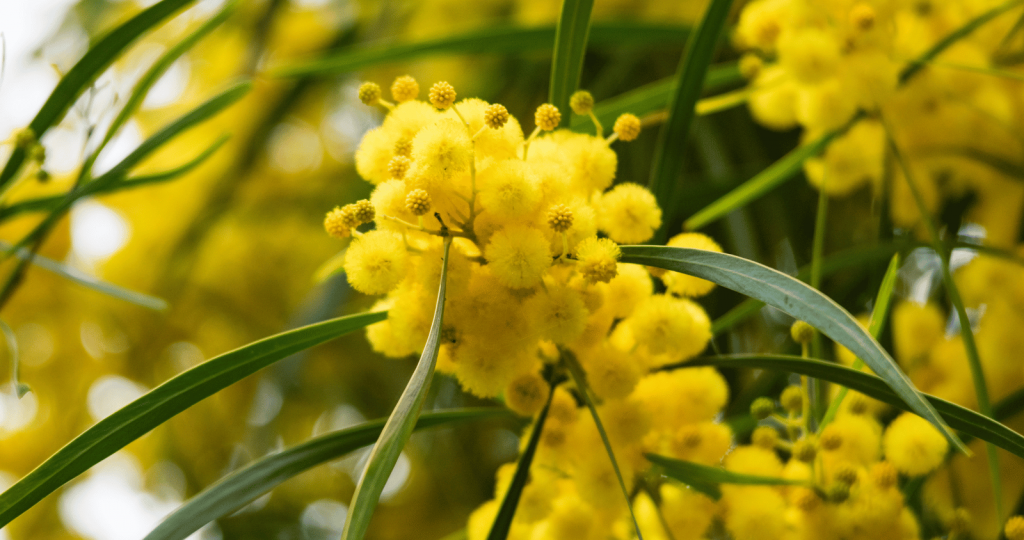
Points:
[[570, 46], [795, 298], [244, 485], [706, 479], [163, 402]]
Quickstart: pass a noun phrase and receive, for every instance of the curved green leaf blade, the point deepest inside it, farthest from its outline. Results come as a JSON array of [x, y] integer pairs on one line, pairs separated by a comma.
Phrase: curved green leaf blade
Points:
[[96, 60], [706, 479], [570, 46], [163, 402], [957, 417], [507, 511], [233, 491], [795, 298], [508, 40], [399, 425], [668, 155]]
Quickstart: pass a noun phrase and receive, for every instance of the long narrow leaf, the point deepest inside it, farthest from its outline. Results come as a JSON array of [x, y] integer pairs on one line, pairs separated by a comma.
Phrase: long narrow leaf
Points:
[[795, 298], [706, 479], [399, 425], [507, 511], [163, 402], [958, 418], [509, 40], [244, 485], [96, 60], [570, 46], [668, 156]]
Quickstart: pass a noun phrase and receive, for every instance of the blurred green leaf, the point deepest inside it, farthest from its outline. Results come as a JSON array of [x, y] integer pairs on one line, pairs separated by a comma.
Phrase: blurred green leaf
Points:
[[242, 486], [668, 155], [570, 47], [14, 357], [96, 60], [507, 511], [957, 417], [163, 402], [507, 40], [399, 426], [706, 479], [795, 298]]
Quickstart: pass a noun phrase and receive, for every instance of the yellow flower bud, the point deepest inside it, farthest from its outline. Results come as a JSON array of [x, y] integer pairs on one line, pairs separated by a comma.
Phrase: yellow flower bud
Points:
[[418, 202], [627, 127], [598, 259], [762, 408], [801, 332], [336, 223], [838, 492], [360, 212], [403, 147], [807, 500], [862, 17], [831, 440], [581, 102], [24, 138], [405, 88], [398, 166], [495, 116], [805, 449], [961, 522], [369, 93], [1015, 528], [750, 66], [765, 437], [442, 95], [547, 117], [560, 218], [845, 473], [884, 475], [526, 394], [792, 399]]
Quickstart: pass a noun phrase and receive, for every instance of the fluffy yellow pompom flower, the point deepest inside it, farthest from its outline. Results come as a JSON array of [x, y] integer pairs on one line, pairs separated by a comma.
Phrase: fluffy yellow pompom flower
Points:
[[547, 117], [673, 326], [509, 189], [442, 95], [1014, 528], [518, 256], [810, 55], [683, 284], [443, 148], [627, 127], [913, 445], [376, 262], [405, 88], [559, 313], [526, 394], [611, 373], [628, 288], [629, 214], [598, 259], [916, 329], [687, 513]]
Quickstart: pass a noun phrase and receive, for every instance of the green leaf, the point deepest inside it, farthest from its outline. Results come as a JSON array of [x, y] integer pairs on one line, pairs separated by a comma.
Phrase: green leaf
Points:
[[580, 378], [244, 485], [153, 74], [507, 511], [71, 274], [770, 178], [706, 479], [44, 204], [957, 417], [877, 322], [668, 155], [570, 46], [96, 60], [163, 402], [15, 359], [507, 40], [399, 425], [331, 267], [653, 97], [795, 298]]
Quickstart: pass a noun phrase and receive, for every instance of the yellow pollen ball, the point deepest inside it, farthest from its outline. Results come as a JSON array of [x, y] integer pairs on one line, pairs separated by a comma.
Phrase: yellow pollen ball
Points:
[[526, 394], [765, 437], [336, 223], [913, 445], [792, 399], [597, 259], [862, 17], [831, 440], [801, 332], [369, 93], [884, 475], [1015, 528], [403, 147], [442, 95], [547, 117], [405, 88], [805, 449], [361, 211], [418, 202], [495, 116], [398, 166], [750, 66], [518, 256], [376, 262], [581, 102], [629, 214], [627, 127], [560, 218]]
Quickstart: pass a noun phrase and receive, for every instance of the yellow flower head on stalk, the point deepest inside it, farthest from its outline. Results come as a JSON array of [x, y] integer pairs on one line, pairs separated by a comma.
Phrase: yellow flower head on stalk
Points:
[[405, 88]]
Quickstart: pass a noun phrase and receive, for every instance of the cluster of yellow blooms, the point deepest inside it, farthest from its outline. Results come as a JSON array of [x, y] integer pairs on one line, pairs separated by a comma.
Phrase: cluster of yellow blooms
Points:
[[829, 61]]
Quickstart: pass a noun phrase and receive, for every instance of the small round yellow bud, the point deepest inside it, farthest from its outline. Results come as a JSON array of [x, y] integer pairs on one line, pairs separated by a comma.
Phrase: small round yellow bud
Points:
[[525, 395], [862, 17], [750, 66], [442, 95], [807, 500], [547, 117], [830, 440], [403, 147], [858, 404], [1015, 528], [627, 127], [762, 408], [765, 437], [581, 102], [24, 138], [360, 212], [369, 93], [801, 332], [495, 116], [398, 166], [418, 202], [336, 223], [560, 218], [838, 492], [405, 88], [792, 399], [885, 475], [805, 449], [961, 521], [845, 473]]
